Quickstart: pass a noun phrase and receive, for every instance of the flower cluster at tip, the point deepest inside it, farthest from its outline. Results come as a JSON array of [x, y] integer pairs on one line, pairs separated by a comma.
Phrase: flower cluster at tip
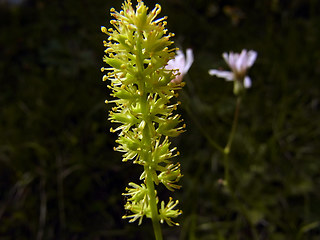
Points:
[[137, 52], [239, 64]]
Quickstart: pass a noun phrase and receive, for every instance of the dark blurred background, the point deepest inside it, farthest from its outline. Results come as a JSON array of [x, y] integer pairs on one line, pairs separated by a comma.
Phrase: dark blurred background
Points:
[[59, 176]]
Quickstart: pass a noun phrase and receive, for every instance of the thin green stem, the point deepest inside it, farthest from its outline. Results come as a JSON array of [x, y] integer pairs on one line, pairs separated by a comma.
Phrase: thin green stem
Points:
[[226, 152], [149, 182], [226, 167], [234, 126], [153, 206], [227, 148], [147, 142]]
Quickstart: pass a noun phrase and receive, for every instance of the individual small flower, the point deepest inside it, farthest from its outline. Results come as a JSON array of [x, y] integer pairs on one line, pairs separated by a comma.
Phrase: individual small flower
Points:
[[182, 63], [167, 212], [136, 192], [171, 176], [139, 210], [239, 64]]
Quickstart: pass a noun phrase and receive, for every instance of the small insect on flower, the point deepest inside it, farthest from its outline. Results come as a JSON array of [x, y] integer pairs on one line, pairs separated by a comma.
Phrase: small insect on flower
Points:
[[181, 63], [239, 64]]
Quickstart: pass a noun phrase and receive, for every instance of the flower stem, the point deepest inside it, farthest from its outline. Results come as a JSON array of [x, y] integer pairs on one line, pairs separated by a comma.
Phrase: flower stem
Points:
[[226, 167], [234, 126], [149, 178], [226, 153], [153, 206], [227, 148], [147, 142]]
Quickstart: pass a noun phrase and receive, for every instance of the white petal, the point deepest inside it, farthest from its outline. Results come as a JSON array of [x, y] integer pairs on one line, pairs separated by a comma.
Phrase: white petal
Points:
[[247, 82], [229, 76], [177, 79], [188, 61], [252, 55], [226, 57], [177, 63], [232, 61], [241, 62]]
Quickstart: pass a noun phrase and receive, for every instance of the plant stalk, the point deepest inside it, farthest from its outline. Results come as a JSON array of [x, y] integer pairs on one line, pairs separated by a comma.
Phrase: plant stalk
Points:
[[227, 148], [153, 206], [147, 142]]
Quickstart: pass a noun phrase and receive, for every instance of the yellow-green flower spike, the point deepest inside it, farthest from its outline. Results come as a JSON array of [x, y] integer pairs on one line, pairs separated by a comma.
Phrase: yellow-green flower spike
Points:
[[138, 49]]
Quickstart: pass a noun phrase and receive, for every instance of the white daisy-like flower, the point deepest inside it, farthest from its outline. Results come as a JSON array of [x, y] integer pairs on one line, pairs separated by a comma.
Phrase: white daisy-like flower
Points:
[[239, 64], [181, 63]]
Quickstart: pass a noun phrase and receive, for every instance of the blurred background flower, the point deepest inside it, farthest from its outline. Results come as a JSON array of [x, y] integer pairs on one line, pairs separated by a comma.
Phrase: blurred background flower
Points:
[[182, 63], [239, 64]]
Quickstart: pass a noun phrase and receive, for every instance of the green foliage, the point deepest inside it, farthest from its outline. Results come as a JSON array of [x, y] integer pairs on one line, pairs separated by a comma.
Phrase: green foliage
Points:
[[61, 179]]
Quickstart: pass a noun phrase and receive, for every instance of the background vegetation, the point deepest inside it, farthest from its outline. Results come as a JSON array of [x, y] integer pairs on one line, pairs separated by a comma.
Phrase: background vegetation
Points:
[[59, 175]]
